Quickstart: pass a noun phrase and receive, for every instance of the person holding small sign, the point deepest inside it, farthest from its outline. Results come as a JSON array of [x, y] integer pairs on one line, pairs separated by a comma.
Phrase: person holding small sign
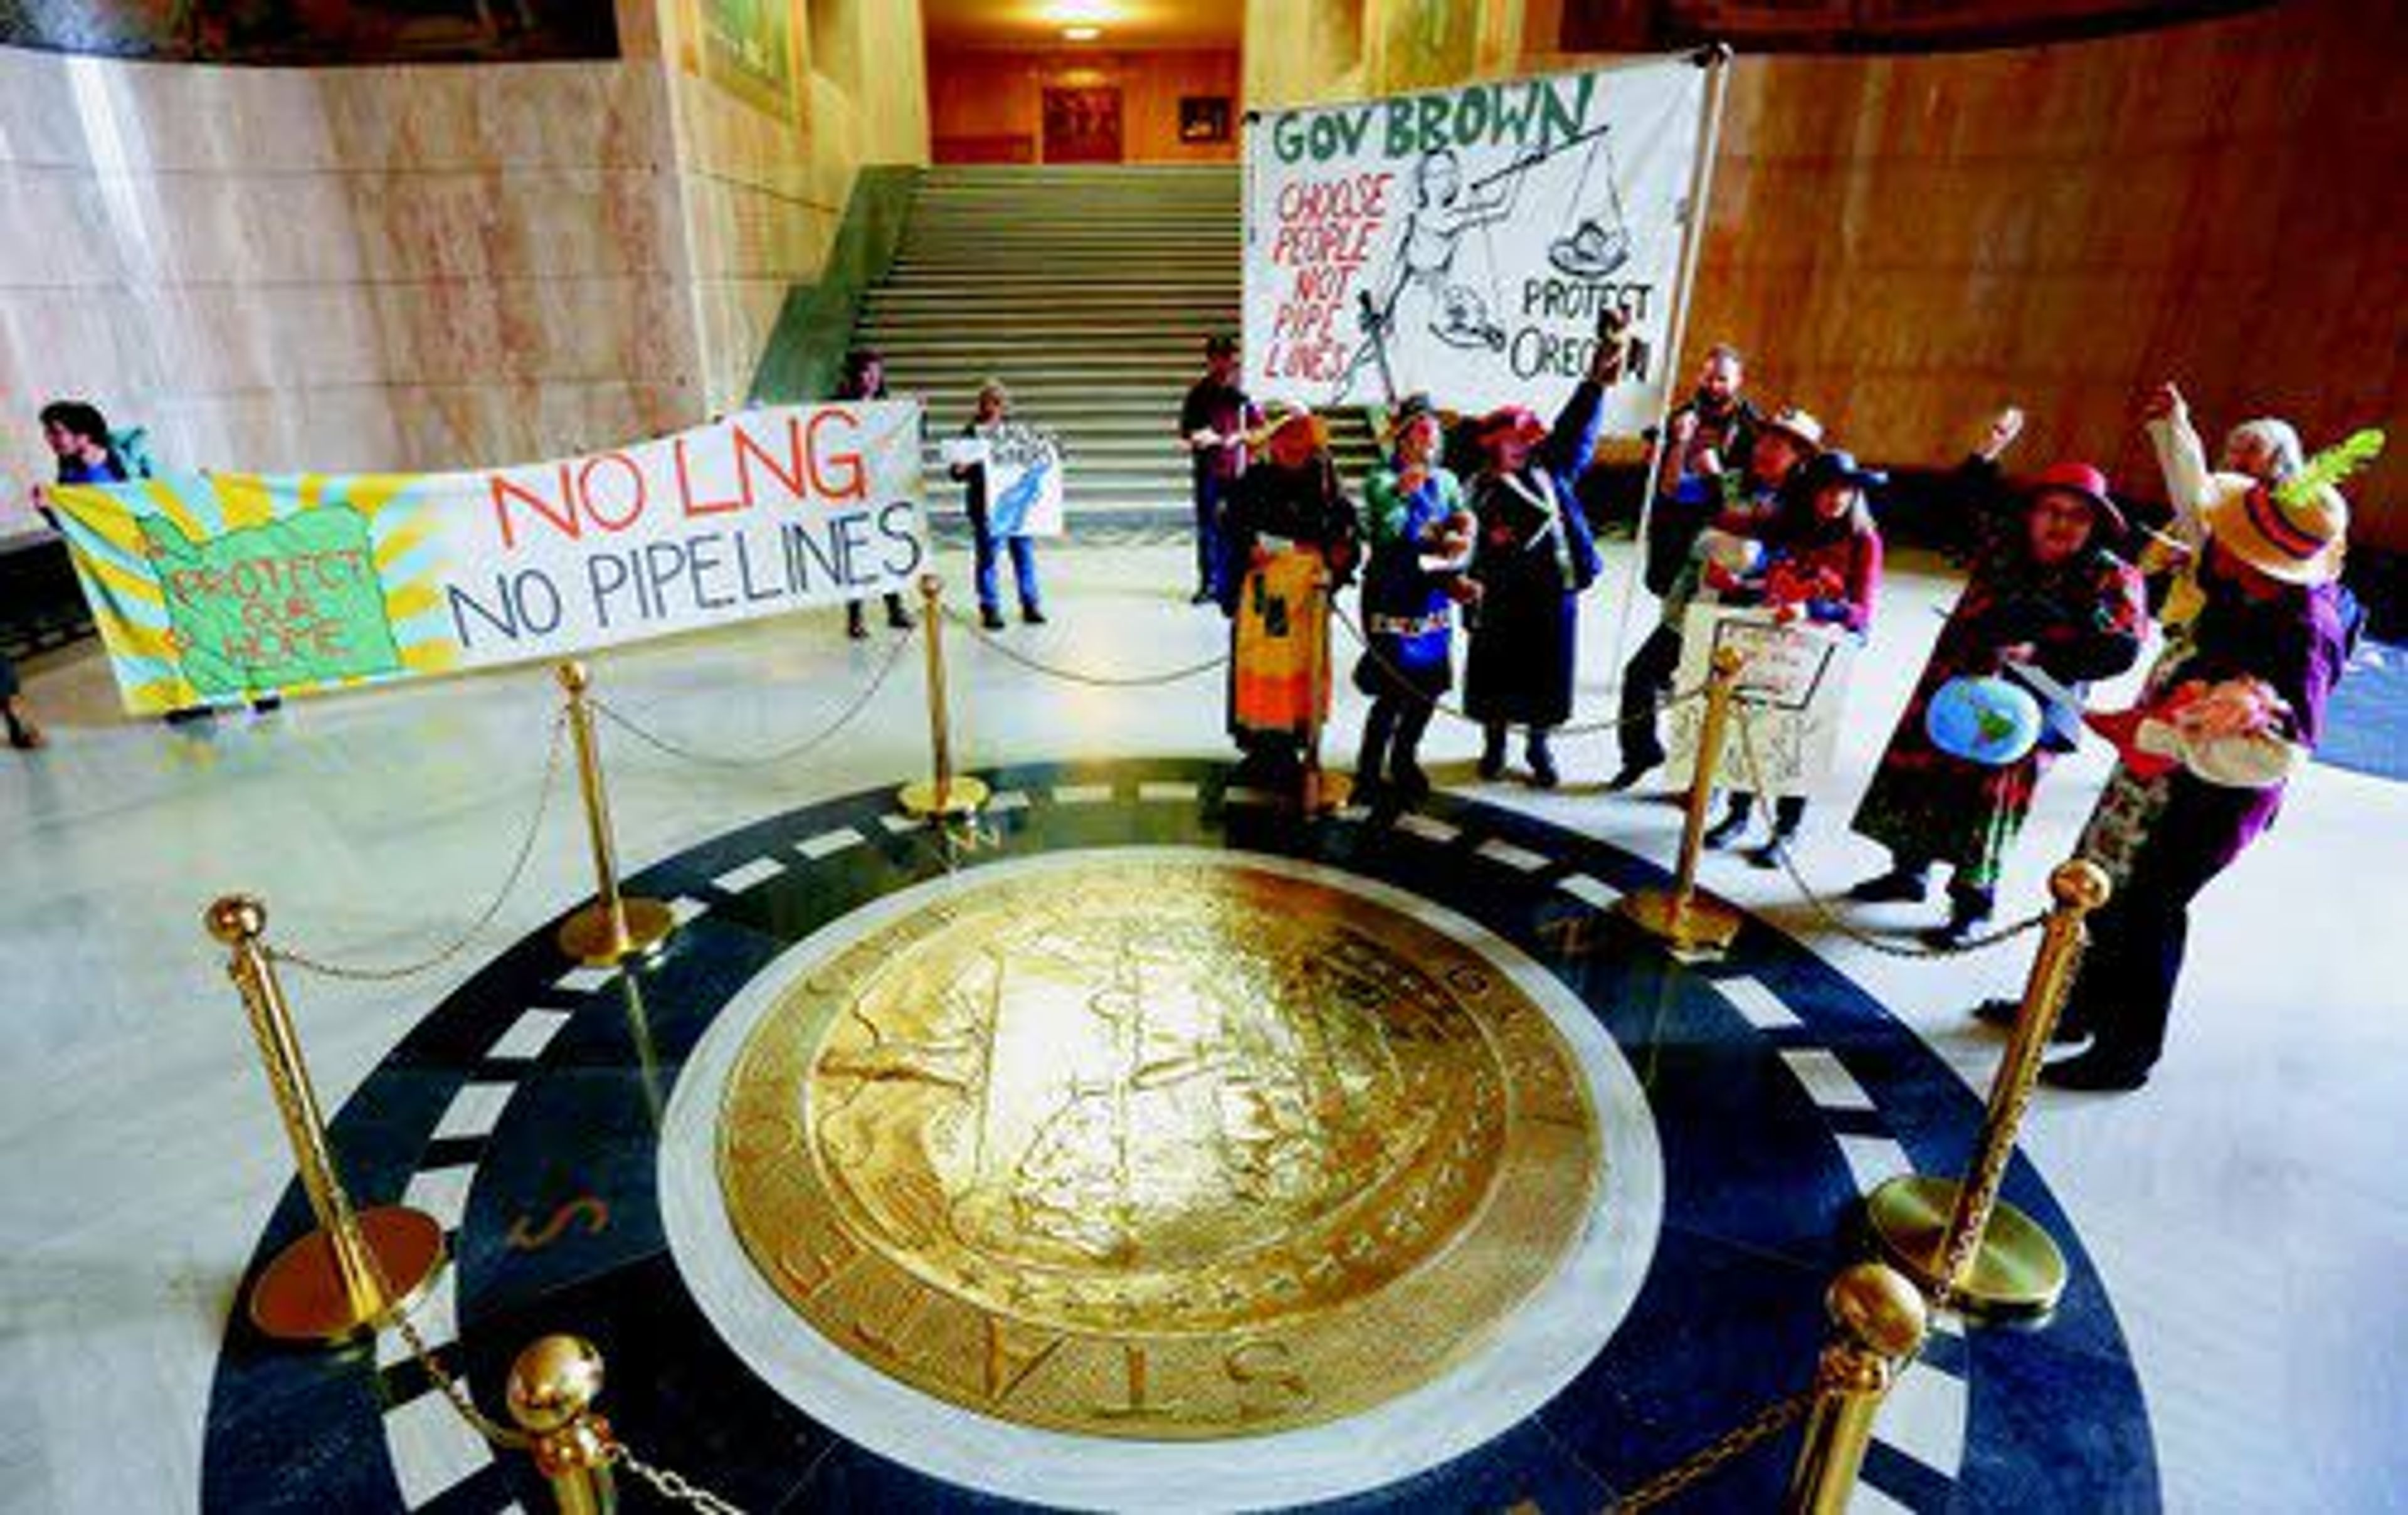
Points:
[[994, 409], [2053, 595], [1532, 557], [1419, 537]]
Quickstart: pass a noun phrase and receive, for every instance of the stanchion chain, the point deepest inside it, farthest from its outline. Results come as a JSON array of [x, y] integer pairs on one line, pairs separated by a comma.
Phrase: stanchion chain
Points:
[[306, 963], [1447, 707], [680, 750], [1712, 1458], [670, 1484], [1100, 680], [1830, 914]]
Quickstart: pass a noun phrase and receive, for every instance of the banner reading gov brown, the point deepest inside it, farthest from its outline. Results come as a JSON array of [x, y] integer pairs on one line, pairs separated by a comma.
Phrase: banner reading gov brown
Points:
[[220, 587]]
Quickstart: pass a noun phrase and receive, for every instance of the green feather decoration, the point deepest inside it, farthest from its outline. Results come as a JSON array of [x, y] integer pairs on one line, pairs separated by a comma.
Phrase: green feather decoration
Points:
[[2332, 465]]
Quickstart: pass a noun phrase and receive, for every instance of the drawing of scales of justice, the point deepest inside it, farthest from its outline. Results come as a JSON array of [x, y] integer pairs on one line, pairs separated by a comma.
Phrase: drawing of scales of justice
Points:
[[1592, 244]]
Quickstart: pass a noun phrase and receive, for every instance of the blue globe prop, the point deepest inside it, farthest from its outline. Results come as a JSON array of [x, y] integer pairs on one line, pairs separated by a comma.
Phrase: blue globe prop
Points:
[[1987, 721]]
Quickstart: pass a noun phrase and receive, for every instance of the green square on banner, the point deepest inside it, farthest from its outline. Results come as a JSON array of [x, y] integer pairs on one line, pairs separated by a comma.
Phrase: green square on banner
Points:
[[284, 605]]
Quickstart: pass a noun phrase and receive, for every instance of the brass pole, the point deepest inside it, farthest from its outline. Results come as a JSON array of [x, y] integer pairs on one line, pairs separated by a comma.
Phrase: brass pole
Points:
[[1878, 1321], [942, 795], [614, 926], [1692, 923], [354, 1270], [552, 1390], [1323, 791], [1959, 1240]]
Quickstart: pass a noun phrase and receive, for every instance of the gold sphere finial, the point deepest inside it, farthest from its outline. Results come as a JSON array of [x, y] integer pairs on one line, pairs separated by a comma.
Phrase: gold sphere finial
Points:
[[931, 586], [1875, 1304], [1728, 661], [573, 676], [235, 918], [2080, 884], [555, 1381]]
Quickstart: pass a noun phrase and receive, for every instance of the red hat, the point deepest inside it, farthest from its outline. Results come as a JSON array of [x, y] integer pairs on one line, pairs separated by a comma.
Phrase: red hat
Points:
[[2084, 481], [1520, 420]]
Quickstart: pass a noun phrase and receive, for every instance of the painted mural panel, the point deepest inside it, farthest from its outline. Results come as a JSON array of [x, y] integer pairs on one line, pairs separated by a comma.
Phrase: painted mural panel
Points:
[[747, 48], [315, 32]]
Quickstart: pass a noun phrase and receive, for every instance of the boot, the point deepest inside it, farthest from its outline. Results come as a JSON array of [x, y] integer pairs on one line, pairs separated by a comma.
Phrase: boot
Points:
[[1787, 816], [1542, 761], [1734, 823], [1969, 910], [1405, 773], [1371, 758], [1905, 883], [856, 625], [1030, 614], [1492, 752], [1631, 771], [990, 618], [2003, 1014], [23, 734], [897, 618], [2096, 1071]]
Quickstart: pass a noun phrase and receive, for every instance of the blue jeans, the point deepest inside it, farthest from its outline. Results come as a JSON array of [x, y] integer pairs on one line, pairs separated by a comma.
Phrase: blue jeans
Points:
[[1024, 571], [1211, 489]]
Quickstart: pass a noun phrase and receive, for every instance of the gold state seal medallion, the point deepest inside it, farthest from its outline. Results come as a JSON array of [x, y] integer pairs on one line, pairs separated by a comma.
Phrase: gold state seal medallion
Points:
[[1157, 1148]]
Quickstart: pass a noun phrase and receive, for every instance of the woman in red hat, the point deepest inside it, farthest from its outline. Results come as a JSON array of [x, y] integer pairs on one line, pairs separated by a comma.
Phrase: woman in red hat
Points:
[[2054, 594], [1532, 557]]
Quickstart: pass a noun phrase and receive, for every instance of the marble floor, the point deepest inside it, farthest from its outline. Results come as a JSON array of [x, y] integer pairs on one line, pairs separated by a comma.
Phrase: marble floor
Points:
[[2246, 1215]]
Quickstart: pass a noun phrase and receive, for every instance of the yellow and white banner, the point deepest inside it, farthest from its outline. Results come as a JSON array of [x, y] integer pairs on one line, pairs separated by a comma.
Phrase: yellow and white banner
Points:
[[217, 586]]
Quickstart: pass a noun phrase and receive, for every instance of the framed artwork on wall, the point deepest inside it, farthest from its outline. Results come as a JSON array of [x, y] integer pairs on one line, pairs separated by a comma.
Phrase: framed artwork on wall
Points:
[[746, 47], [1082, 124], [1203, 118]]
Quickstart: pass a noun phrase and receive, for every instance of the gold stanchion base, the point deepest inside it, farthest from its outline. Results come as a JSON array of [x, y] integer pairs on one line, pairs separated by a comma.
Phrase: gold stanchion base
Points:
[[961, 797], [595, 939], [301, 1296], [1325, 791], [1700, 926], [2017, 1272]]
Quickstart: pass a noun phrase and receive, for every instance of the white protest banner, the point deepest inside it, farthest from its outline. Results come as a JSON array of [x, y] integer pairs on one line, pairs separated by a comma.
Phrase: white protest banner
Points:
[[1467, 239], [1023, 479], [1792, 693], [219, 587]]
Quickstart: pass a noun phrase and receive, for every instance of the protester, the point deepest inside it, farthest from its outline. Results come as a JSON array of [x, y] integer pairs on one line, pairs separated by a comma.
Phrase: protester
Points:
[[1420, 538], [1289, 536], [1709, 436], [1823, 566], [2052, 595], [1532, 559], [2228, 713], [88, 452], [1741, 503], [994, 408], [864, 379], [24, 733], [1213, 423]]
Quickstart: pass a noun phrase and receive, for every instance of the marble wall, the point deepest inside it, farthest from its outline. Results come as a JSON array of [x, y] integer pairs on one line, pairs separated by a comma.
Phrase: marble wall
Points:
[[342, 268]]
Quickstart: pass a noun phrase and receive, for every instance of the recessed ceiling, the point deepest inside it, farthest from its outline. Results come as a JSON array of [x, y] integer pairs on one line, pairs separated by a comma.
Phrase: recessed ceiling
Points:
[[1123, 23]]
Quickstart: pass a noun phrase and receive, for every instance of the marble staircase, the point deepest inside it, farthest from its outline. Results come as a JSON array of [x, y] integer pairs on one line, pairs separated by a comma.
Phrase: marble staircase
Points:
[[1088, 291]]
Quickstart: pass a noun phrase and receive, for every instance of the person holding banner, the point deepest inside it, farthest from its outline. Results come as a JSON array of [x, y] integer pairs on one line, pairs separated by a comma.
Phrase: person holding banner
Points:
[[1532, 557], [2054, 596], [1822, 569], [994, 409], [1420, 538], [1213, 425], [1710, 436], [1736, 504], [864, 379], [1289, 536]]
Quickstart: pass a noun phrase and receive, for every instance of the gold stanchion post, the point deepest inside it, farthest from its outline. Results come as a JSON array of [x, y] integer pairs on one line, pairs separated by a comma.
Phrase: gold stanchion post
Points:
[[1879, 1321], [551, 1390], [615, 927], [1323, 791], [1696, 924], [1972, 1251], [943, 796], [358, 1267]]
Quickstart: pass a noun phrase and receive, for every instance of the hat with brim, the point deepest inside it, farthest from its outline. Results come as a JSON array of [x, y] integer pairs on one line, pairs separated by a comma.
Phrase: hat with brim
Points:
[[2086, 483], [1517, 421], [2296, 535], [1283, 415], [1840, 467], [1799, 426]]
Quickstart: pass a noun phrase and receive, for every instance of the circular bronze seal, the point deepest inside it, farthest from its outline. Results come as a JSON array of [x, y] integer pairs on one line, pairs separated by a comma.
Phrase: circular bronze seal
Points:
[[1157, 1148]]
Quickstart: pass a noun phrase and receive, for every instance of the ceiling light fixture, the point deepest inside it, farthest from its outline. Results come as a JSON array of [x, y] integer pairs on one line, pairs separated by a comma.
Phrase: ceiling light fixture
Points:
[[1082, 34]]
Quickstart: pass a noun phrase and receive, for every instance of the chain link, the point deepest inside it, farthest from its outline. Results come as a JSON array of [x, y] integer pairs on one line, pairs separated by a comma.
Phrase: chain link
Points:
[[1097, 681], [1830, 913], [309, 962], [671, 748], [670, 1484], [1712, 1457], [1445, 706]]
